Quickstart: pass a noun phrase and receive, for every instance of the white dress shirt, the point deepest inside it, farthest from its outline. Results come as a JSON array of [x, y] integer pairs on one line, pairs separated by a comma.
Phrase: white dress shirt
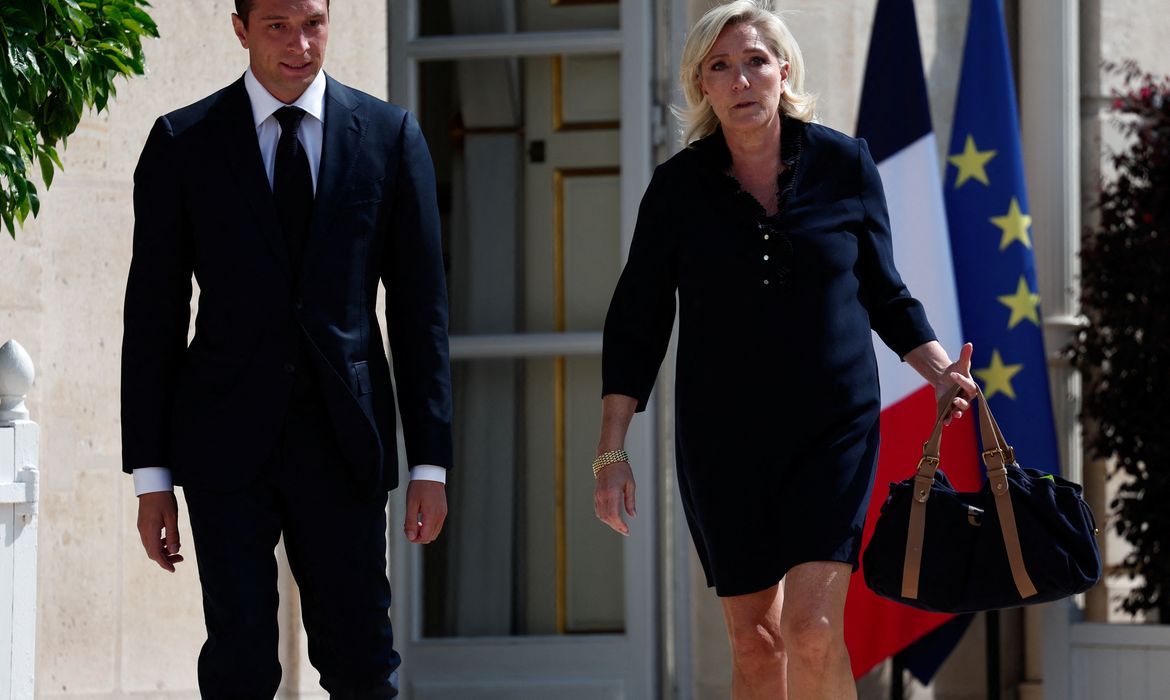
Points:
[[311, 134]]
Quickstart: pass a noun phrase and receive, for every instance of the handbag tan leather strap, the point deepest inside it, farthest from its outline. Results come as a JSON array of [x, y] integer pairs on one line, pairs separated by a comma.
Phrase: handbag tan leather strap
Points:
[[997, 454]]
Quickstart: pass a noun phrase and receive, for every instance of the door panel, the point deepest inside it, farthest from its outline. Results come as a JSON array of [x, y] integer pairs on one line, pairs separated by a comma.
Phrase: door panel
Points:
[[526, 594], [591, 227], [529, 423], [583, 95], [491, 16], [595, 595]]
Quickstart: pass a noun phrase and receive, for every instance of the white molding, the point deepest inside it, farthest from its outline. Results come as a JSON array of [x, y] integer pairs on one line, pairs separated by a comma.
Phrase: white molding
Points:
[[513, 44], [1117, 660], [1057, 649], [1130, 636], [1049, 99], [637, 89], [474, 347], [18, 492], [637, 95], [403, 67], [679, 681], [1066, 322]]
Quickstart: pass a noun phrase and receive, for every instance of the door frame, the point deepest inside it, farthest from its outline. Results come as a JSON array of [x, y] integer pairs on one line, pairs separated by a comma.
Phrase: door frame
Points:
[[506, 656]]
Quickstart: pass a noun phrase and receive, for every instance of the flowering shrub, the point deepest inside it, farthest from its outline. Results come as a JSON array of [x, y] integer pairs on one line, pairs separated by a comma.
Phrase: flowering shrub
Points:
[[1124, 351]]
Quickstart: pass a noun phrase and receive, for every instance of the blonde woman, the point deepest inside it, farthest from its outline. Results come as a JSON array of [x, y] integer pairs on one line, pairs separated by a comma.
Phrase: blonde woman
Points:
[[772, 231]]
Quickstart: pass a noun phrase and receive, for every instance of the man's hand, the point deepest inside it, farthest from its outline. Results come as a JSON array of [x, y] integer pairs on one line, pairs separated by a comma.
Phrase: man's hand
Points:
[[426, 510], [158, 526]]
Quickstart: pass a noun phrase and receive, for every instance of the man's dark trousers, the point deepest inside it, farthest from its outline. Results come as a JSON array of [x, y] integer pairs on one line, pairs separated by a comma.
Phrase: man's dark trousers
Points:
[[334, 536]]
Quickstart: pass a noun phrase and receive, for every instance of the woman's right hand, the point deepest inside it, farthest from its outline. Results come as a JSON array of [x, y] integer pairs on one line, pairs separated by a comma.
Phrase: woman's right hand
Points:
[[613, 490]]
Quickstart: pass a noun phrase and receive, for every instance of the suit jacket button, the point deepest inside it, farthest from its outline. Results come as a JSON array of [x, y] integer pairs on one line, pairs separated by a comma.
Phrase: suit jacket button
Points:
[[298, 304], [290, 368]]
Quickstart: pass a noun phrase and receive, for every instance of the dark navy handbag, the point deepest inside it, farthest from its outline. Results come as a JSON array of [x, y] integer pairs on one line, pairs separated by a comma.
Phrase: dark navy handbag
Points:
[[1025, 537]]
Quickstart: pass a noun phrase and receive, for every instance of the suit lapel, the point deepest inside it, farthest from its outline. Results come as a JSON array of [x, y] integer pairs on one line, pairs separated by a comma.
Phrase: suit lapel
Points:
[[245, 163], [344, 132]]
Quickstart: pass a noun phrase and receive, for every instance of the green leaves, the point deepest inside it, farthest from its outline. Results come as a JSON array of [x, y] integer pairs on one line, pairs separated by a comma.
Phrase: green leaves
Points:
[[57, 58], [23, 16]]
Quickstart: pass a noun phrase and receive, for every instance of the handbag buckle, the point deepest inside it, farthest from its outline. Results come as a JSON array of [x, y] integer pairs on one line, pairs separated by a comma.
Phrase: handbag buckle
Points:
[[997, 453], [1007, 454], [927, 461]]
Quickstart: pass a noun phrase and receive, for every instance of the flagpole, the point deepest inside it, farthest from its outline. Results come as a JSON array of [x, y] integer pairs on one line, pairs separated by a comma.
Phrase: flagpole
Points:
[[897, 677], [992, 621]]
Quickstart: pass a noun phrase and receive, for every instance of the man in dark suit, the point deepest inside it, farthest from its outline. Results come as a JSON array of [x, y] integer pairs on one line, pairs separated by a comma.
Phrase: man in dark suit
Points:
[[287, 196]]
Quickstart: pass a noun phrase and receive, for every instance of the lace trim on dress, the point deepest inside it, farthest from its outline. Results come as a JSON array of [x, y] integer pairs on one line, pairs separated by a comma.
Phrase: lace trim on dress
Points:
[[790, 149], [777, 244]]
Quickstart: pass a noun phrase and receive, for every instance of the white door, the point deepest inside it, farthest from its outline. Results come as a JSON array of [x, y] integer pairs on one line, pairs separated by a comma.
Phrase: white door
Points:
[[537, 113]]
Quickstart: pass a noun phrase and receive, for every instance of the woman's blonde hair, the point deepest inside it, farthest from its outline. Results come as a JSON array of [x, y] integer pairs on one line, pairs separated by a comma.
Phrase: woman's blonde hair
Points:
[[697, 117]]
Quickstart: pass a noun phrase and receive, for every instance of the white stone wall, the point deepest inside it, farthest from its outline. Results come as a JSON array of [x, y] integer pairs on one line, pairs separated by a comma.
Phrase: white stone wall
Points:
[[111, 623]]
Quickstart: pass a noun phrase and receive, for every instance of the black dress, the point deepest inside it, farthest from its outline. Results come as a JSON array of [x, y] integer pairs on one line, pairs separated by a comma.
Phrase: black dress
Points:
[[776, 387]]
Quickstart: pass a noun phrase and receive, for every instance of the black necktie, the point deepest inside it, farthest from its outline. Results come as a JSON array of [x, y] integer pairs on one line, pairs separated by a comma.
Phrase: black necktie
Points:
[[292, 184]]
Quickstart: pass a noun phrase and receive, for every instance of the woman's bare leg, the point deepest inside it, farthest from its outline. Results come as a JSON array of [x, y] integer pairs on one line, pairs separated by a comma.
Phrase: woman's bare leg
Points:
[[812, 623], [757, 650]]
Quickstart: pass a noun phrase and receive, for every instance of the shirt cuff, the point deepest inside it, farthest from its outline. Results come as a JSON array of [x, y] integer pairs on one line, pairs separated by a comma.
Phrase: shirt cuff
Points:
[[428, 472], [151, 479]]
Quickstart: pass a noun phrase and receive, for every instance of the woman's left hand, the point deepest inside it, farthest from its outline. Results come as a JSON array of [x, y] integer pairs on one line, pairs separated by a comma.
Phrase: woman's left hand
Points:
[[958, 372], [933, 363]]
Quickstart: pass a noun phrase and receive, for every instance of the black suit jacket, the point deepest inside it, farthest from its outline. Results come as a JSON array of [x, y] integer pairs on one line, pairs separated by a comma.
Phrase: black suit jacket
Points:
[[212, 410]]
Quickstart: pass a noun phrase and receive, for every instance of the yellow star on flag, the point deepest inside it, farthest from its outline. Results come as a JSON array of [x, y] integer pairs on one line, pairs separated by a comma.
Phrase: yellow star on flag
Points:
[[998, 377], [971, 163], [1014, 225], [1024, 304]]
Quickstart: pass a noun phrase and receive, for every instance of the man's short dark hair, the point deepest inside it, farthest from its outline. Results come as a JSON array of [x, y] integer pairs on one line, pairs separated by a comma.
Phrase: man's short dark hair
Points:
[[244, 7]]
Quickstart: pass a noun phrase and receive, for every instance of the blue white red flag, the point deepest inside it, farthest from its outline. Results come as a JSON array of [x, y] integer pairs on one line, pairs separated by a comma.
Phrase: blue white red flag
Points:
[[993, 292], [895, 120]]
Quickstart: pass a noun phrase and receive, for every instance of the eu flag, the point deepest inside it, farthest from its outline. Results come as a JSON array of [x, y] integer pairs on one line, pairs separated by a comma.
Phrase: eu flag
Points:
[[991, 238]]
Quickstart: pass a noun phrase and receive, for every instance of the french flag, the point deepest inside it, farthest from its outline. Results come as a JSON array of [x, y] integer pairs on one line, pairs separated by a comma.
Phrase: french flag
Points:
[[894, 119]]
